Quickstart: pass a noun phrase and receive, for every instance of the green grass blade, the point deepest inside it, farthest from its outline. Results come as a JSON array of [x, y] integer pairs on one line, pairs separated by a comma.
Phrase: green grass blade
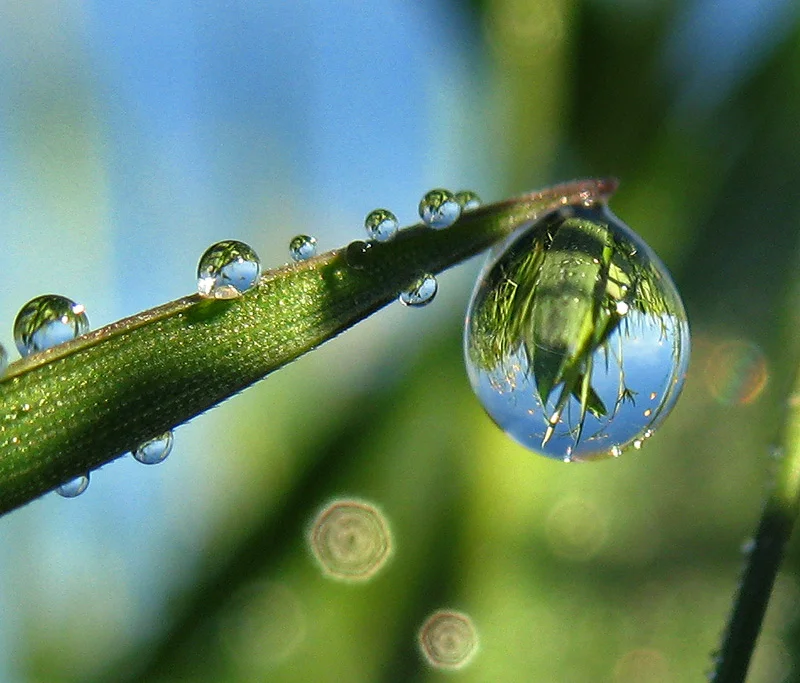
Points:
[[72, 408]]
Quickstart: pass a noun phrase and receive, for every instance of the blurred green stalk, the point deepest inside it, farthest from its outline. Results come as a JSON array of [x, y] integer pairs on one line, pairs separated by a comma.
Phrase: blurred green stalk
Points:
[[765, 553]]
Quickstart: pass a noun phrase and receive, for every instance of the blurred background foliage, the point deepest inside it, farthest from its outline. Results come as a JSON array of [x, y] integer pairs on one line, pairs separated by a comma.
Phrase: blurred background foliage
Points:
[[132, 135]]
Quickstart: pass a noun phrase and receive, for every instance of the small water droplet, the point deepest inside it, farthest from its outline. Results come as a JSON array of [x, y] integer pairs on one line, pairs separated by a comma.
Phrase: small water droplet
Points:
[[439, 209], [357, 254], [381, 225], [748, 546], [351, 540], [564, 363], [468, 200], [227, 269], [154, 450], [74, 487], [302, 247], [448, 640], [421, 293], [47, 321]]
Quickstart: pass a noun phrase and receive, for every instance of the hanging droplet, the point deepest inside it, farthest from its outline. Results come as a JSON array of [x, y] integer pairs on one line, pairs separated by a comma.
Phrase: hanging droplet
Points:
[[47, 321], [381, 225], [439, 209], [302, 247], [421, 293], [74, 487], [357, 254], [227, 269], [154, 450], [576, 339], [468, 200], [351, 540], [3, 359], [448, 640]]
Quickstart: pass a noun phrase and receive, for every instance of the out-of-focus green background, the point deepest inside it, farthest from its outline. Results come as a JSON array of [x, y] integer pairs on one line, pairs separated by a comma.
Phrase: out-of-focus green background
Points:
[[132, 135]]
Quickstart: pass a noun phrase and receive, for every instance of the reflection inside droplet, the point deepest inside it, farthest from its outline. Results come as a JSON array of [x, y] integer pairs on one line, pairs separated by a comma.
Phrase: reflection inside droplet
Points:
[[576, 340]]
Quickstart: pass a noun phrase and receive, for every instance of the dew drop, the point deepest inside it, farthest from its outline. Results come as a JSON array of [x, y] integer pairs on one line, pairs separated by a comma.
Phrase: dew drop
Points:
[[47, 321], [357, 254], [573, 325], [227, 269], [448, 640], [154, 450], [381, 225], [74, 487], [351, 540], [421, 293], [439, 209], [468, 200], [302, 247]]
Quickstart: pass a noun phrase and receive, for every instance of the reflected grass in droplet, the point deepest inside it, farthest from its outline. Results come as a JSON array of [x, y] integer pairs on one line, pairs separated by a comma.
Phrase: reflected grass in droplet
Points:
[[573, 324], [46, 321]]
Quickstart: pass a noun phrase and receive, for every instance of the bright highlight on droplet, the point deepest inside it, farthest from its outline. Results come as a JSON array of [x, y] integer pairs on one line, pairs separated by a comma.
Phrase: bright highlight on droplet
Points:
[[736, 372], [421, 293], [154, 451], [381, 225], [302, 247], [576, 340], [351, 540], [227, 269], [357, 254], [448, 640], [74, 487], [439, 209], [47, 321]]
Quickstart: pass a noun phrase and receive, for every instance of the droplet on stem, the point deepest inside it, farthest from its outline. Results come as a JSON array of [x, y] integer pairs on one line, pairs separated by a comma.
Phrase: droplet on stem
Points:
[[302, 247], [381, 225], [576, 340], [468, 200], [357, 254], [154, 451], [439, 209], [421, 293], [47, 321], [227, 269], [74, 487]]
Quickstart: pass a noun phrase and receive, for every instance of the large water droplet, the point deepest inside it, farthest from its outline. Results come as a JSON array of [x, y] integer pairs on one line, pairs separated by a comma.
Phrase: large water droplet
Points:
[[154, 450], [302, 247], [381, 225], [439, 209], [448, 640], [47, 321], [576, 339], [74, 487], [227, 269], [468, 200], [421, 293]]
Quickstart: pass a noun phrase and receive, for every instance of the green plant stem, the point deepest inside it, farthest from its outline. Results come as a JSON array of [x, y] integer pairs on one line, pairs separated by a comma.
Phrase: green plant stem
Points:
[[70, 409], [765, 555]]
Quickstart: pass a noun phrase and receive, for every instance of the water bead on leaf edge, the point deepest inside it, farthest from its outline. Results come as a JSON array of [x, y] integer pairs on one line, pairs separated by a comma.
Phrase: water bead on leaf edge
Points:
[[576, 340], [439, 209], [47, 321], [227, 269]]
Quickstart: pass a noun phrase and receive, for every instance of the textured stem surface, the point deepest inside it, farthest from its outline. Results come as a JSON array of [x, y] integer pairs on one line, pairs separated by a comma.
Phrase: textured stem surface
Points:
[[68, 410]]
